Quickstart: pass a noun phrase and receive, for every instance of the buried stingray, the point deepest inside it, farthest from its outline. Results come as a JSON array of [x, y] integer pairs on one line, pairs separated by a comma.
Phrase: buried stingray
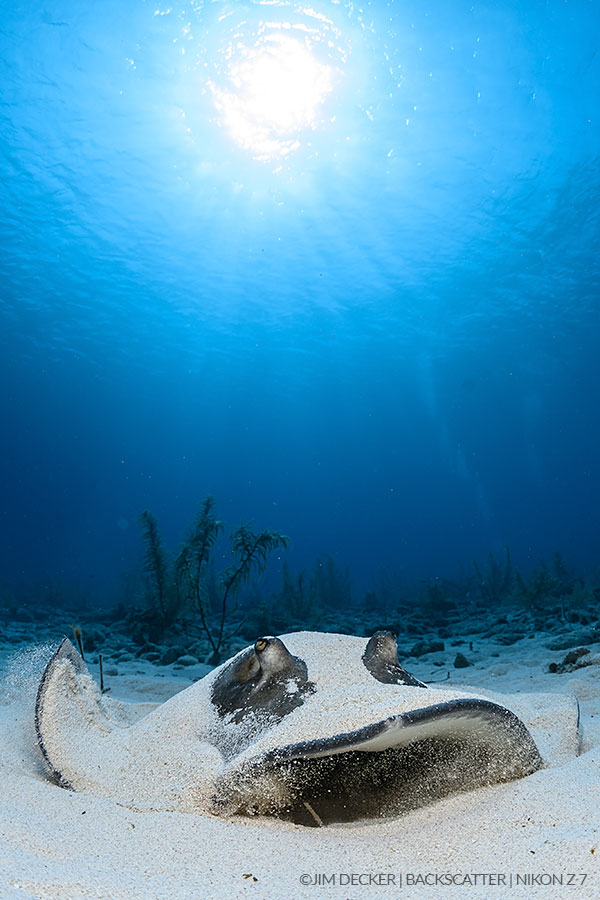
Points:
[[311, 727]]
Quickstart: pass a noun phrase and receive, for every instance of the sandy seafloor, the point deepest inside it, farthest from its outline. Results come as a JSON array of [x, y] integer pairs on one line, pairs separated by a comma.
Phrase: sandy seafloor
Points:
[[60, 845]]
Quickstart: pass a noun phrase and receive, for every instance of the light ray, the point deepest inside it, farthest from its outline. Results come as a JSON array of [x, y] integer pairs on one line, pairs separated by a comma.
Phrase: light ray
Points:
[[275, 91]]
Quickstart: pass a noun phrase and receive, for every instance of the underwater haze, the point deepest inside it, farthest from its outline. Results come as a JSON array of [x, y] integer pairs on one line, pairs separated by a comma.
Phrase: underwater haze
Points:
[[335, 264]]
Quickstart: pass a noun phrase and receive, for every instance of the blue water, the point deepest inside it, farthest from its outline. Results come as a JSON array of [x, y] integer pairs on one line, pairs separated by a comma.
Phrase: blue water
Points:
[[383, 343]]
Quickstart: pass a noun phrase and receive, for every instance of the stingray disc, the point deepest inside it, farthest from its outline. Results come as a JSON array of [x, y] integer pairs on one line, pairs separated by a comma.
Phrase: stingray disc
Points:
[[310, 720]]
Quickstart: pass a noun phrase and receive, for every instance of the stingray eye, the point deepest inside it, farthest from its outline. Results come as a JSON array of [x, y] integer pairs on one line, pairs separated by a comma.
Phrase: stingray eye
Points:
[[261, 644]]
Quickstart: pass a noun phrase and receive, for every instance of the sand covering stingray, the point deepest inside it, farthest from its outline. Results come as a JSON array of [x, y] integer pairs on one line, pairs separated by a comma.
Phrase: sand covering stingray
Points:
[[313, 727]]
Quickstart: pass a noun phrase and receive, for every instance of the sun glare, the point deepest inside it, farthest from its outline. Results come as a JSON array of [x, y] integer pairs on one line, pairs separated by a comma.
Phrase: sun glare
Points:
[[274, 92]]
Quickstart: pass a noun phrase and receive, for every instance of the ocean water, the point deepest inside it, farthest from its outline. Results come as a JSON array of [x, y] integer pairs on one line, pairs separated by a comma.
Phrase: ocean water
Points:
[[335, 264]]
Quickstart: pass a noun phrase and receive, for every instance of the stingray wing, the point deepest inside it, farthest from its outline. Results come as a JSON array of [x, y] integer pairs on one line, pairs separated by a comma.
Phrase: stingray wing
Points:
[[468, 719], [141, 755], [64, 655], [387, 767], [71, 715]]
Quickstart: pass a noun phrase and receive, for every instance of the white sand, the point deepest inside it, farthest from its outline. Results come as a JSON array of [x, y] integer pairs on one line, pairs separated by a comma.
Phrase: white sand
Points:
[[59, 844]]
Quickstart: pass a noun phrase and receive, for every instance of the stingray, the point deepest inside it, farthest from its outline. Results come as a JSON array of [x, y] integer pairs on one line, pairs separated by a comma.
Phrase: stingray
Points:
[[310, 727]]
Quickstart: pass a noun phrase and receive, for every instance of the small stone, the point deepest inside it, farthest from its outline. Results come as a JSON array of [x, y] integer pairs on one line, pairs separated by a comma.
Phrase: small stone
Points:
[[511, 638], [171, 655], [574, 655], [461, 661], [574, 639], [148, 647], [188, 660], [424, 647]]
